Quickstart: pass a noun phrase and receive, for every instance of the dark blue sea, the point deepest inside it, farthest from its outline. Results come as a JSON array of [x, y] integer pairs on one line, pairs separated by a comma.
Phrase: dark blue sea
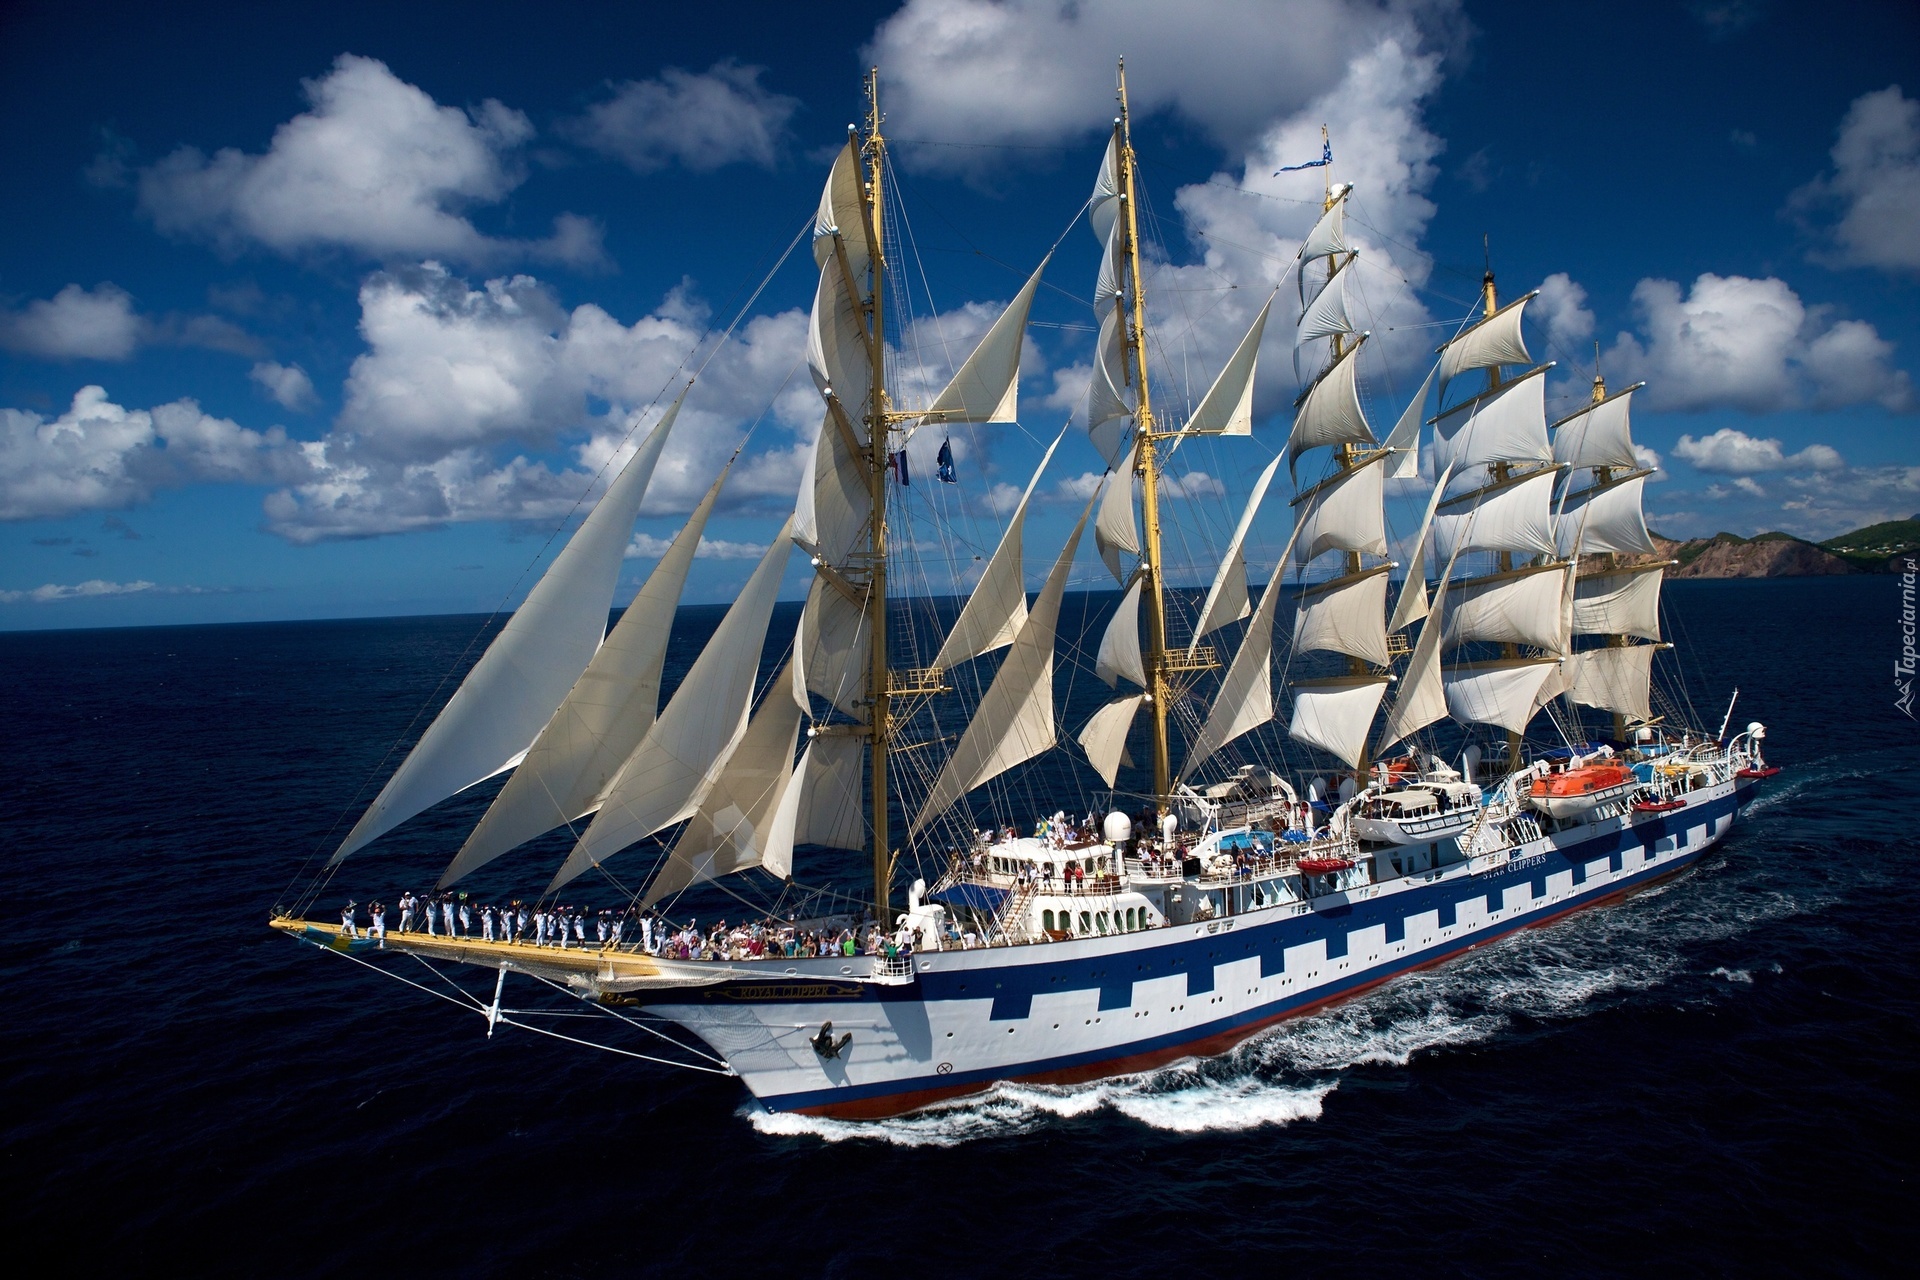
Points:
[[1716, 1077]]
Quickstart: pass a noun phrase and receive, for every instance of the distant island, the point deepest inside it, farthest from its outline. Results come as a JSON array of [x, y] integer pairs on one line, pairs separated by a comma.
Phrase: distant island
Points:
[[1878, 548]]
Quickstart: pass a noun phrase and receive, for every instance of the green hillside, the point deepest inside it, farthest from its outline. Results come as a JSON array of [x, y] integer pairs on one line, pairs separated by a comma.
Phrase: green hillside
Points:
[[1873, 547]]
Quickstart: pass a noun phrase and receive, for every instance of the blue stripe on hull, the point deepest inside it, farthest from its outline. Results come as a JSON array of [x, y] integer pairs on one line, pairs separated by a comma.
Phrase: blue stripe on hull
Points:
[[1015, 986]]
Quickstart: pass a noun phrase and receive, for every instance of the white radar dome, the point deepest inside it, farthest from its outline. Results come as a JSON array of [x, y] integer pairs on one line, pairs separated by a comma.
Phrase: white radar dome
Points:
[[1117, 827]]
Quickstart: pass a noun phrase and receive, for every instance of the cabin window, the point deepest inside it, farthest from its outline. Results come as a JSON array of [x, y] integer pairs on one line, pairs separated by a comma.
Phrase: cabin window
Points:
[[1086, 922], [1130, 924], [1046, 918], [1100, 921]]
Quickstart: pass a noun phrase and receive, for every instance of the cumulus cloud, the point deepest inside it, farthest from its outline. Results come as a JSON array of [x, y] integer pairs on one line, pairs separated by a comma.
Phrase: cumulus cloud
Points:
[[94, 588], [455, 373], [101, 456], [374, 167], [1874, 185], [1732, 452], [75, 324], [1561, 309], [103, 324], [1735, 342], [287, 384], [1247, 226], [647, 547], [1042, 71], [721, 116]]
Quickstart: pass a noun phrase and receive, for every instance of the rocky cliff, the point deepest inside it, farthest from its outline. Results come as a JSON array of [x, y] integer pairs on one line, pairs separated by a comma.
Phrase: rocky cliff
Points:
[[1769, 555]]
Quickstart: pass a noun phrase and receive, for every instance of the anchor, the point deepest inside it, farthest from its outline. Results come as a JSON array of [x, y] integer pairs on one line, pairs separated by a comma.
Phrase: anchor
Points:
[[826, 1046]]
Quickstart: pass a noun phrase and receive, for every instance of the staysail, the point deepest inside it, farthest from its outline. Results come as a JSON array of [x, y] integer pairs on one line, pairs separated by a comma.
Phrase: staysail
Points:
[[604, 716], [1014, 721], [662, 779], [514, 689], [997, 605], [731, 828]]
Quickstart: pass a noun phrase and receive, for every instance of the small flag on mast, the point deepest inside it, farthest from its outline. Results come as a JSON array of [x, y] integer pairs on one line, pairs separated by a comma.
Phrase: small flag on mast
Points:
[[1326, 158], [945, 463], [899, 461]]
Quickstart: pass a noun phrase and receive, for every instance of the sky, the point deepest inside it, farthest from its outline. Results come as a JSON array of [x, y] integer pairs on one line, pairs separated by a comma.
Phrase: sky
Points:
[[330, 311]]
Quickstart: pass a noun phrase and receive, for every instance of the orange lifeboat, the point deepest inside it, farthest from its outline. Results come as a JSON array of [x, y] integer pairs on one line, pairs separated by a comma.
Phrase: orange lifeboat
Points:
[[1574, 793]]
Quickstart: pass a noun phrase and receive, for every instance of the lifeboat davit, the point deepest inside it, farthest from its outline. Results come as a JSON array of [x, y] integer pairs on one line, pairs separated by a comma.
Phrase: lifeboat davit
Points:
[[1574, 793]]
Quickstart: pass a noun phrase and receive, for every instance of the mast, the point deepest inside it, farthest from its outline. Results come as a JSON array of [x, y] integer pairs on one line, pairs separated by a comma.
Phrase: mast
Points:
[[1600, 477], [1145, 464], [1345, 455], [1490, 303], [879, 703]]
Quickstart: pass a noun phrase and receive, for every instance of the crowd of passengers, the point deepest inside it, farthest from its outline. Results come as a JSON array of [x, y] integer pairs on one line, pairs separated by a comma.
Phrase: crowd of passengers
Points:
[[568, 927]]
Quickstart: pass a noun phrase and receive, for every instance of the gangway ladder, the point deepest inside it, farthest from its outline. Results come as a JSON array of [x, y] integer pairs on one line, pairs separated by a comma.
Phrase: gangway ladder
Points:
[[1015, 908]]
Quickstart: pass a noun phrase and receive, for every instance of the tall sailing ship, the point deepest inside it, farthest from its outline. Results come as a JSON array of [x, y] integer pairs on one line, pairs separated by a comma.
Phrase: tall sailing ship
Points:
[[1457, 798]]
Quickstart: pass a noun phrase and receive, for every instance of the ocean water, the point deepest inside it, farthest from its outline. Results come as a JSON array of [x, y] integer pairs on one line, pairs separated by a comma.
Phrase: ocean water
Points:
[[1718, 1076]]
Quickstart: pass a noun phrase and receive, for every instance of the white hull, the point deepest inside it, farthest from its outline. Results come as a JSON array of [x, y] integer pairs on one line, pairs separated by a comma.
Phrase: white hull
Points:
[[1091, 1007]]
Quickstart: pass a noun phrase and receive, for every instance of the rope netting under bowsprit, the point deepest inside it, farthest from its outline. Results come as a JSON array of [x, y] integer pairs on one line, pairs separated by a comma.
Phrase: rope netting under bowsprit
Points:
[[497, 1014]]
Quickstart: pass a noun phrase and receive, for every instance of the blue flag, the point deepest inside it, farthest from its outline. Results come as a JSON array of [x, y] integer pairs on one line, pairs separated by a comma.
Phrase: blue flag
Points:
[[1326, 158], [945, 461], [900, 469]]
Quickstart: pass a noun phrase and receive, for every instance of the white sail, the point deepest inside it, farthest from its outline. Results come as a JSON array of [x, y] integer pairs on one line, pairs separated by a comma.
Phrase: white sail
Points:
[[1327, 315], [1346, 615], [1245, 699], [830, 515], [1227, 597], [1412, 604], [987, 386], [997, 605], [1505, 692], [1504, 425], [821, 803], [1422, 697], [1514, 516], [1103, 206], [1014, 721], [1330, 412], [833, 645], [1105, 737], [1335, 714], [1120, 643], [1599, 435], [1605, 517], [837, 343], [1107, 288], [1494, 341], [1519, 607], [526, 672], [1612, 679], [601, 720], [1622, 602], [1343, 514], [830, 810], [660, 782], [1404, 439], [729, 831], [842, 211], [1114, 528], [1227, 408], [1329, 235], [1109, 411]]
